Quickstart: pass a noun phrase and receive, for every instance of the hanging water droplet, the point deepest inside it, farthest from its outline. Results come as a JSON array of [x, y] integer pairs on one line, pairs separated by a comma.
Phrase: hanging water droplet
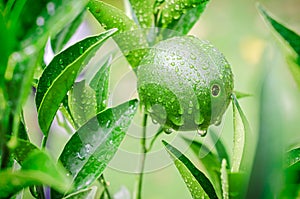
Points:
[[202, 133], [168, 130], [154, 121]]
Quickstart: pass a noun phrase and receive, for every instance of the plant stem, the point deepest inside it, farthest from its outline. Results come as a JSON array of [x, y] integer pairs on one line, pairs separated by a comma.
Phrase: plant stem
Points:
[[103, 181], [144, 153]]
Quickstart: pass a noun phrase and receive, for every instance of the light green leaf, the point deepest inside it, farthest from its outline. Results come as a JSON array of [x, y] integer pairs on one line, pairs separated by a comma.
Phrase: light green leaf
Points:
[[130, 39], [82, 102], [91, 148], [100, 84], [240, 95], [59, 76], [243, 140], [22, 150], [143, 12], [38, 169], [88, 193], [221, 150], [197, 183], [294, 66], [224, 180]]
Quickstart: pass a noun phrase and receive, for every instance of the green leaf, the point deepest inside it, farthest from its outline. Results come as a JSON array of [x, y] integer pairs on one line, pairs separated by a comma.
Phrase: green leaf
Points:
[[294, 66], [292, 157], [84, 194], [209, 160], [38, 169], [130, 39], [224, 180], [237, 185], [82, 102], [143, 12], [221, 150], [59, 76], [61, 39], [240, 95], [197, 183], [242, 141], [291, 37], [179, 15], [22, 150], [91, 148], [100, 84]]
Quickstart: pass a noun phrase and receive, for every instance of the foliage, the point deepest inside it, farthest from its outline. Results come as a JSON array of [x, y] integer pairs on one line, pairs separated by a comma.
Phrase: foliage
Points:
[[97, 129]]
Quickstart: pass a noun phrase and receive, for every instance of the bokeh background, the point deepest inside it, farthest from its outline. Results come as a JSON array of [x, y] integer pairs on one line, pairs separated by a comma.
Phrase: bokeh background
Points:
[[236, 28]]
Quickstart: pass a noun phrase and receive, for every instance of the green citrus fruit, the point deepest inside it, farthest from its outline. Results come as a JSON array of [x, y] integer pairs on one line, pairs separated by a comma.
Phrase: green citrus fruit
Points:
[[185, 83]]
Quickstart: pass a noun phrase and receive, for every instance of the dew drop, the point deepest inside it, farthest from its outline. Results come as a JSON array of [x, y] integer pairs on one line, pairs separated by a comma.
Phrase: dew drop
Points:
[[40, 21], [202, 133], [81, 50], [168, 130], [60, 61], [154, 121]]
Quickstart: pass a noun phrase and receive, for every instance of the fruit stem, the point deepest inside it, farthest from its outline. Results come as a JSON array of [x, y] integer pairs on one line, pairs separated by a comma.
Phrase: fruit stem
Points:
[[144, 153]]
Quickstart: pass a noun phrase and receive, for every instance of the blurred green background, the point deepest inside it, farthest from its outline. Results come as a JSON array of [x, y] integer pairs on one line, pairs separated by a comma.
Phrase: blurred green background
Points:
[[236, 29]]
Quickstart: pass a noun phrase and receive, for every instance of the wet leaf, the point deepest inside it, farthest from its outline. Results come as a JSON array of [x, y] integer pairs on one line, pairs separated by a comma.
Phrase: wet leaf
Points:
[[82, 102], [143, 12], [39, 168], [130, 39], [91, 148], [209, 160], [83, 194], [197, 183], [179, 15], [100, 84], [22, 150], [61, 39], [292, 157], [243, 140], [224, 180], [59, 76]]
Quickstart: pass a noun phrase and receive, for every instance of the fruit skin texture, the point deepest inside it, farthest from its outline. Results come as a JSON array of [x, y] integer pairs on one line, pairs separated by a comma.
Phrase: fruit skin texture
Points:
[[185, 83]]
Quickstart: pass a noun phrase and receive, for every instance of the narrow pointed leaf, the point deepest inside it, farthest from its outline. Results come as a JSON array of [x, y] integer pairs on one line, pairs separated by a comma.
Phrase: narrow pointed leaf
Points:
[[240, 95], [197, 183], [180, 15], [291, 37], [143, 12], [130, 39], [100, 84], [224, 180], [38, 169], [61, 39], [243, 140], [59, 76], [82, 102], [210, 161], [220, 148], [84, 194], [91, 148]]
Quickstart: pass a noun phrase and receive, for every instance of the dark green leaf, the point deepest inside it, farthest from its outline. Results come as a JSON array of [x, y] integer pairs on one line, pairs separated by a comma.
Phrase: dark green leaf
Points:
[[59, 76], [292, 157], [221, 150], [130, 39], [39, 168], [197, 183], [143, 12], [100, 84], [82, 102], [209, 160], [91, 148], [180, 15], [61, 39], [291, 37], [243, 140]]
